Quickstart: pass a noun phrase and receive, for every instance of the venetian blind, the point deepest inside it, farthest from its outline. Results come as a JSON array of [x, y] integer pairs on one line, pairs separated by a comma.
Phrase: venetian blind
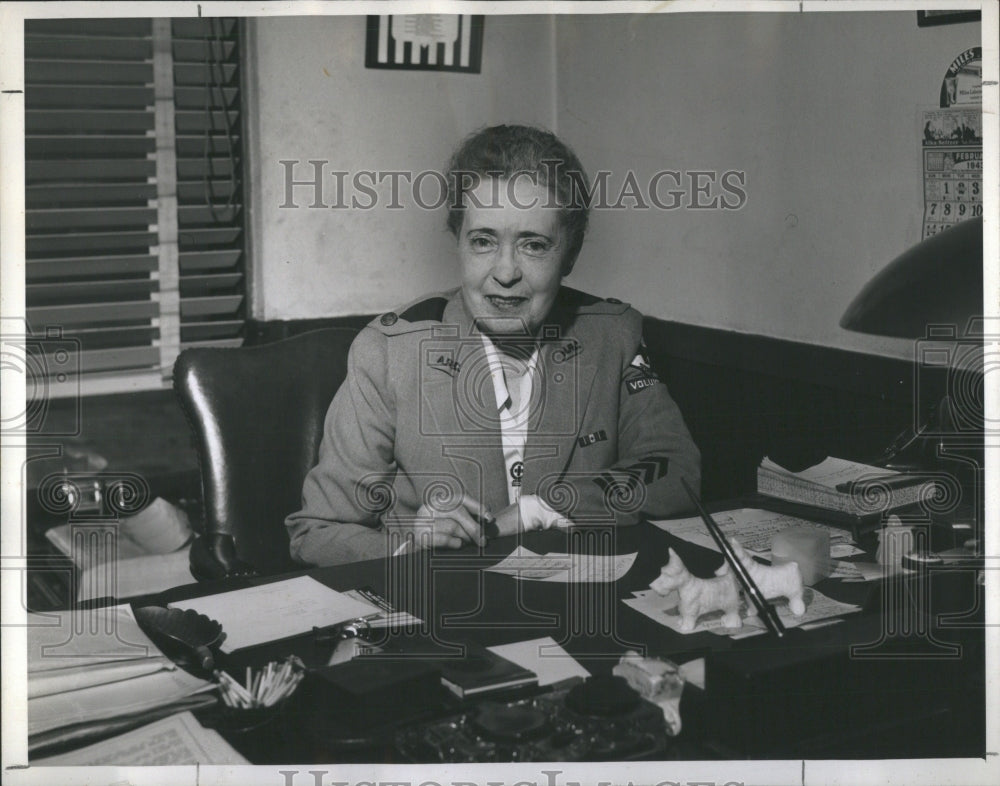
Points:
[[133, 190]]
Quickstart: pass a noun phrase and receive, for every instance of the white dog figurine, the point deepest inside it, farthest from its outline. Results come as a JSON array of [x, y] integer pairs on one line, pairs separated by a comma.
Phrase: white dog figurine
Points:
[[699, 596], [774, 581]]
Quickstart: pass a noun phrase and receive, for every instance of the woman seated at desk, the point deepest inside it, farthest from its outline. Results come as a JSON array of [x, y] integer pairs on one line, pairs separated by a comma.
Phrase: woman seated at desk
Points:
[[510, 403]]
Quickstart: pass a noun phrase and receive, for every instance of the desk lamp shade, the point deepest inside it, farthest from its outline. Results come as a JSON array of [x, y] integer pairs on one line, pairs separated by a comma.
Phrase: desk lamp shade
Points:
[[937, 281]]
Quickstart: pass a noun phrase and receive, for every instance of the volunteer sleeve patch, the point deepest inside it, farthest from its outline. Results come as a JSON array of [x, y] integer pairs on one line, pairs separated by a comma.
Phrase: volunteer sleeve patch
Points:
[[639, 375], [639, 383]]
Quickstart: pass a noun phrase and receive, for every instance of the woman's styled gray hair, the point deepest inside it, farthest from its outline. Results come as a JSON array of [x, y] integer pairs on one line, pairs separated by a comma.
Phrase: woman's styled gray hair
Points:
[[506, 151]]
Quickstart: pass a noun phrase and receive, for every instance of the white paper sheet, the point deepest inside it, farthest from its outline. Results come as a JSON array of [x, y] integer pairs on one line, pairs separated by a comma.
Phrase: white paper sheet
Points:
[[544, 657], [275, 611], [841, 550], [861, 571], [855, 572], [753, 528], [846, 571], [694, 672], [523, 563], [140, 575], [176, 740]]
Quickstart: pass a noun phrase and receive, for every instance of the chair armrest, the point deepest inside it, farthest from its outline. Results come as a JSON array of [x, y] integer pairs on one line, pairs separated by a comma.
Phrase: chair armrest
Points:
[[213, 556]]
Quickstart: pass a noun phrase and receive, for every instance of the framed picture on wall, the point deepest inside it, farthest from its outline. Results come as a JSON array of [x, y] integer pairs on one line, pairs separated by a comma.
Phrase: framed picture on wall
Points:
[[425, 42]]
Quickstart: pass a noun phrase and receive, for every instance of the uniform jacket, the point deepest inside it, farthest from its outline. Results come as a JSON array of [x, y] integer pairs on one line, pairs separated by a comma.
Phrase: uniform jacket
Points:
[[416, 420]]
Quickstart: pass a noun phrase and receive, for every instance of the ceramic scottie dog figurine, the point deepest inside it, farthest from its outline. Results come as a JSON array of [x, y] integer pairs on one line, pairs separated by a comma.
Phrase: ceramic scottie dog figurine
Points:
[[774, 581], [699, 596]]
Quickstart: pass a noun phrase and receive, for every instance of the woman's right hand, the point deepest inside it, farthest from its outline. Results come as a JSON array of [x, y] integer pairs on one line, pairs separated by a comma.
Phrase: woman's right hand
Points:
[[451, 527]]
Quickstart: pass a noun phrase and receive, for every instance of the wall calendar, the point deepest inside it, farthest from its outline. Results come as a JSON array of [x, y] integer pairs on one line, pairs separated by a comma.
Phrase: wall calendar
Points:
[[952, 149]]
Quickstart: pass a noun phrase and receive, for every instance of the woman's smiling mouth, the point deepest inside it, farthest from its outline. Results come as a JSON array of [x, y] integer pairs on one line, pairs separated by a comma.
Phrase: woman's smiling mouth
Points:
[[507, 302]]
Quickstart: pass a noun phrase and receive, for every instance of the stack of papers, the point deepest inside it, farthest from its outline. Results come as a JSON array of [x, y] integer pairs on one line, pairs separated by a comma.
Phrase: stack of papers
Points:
[[754, 528], [87, 668], [663, 609], [523, 563], [174, 741], [844, 486]]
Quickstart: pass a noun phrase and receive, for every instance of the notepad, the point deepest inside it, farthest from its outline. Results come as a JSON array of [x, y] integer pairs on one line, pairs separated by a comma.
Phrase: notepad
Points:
[[482, 671], [278, 610]]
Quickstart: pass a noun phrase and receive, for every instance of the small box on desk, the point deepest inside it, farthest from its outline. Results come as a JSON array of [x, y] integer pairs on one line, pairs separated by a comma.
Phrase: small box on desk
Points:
[[372, 690]]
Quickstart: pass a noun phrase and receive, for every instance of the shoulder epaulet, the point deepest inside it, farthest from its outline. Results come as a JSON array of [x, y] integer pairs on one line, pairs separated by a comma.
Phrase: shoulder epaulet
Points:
[[574, 297], [428, 310], [585, 303]]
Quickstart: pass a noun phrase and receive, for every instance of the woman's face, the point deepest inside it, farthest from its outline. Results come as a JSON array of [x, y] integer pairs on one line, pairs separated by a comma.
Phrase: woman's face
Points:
[[511, 247]]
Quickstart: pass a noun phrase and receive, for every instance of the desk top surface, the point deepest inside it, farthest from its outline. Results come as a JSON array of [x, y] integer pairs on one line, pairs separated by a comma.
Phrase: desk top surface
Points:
[[463, 603]]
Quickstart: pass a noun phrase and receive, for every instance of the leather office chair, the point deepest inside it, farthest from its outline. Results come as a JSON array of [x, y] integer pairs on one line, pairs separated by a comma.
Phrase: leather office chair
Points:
[[257, 415]]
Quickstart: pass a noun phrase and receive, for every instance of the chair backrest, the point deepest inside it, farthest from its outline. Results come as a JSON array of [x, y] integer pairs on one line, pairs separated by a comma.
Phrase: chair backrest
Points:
[[257, 415]]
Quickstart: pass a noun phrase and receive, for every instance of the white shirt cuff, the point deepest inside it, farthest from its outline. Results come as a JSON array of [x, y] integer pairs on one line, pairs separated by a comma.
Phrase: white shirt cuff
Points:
[[535, 513]]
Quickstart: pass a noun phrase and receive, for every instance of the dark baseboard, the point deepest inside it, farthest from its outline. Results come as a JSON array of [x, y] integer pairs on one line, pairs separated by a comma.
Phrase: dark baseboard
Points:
[[848, 370], [859, 372], [268, 331], [743, 397]]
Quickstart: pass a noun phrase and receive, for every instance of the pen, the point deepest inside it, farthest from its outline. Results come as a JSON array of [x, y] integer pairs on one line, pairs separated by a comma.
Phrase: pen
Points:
[[344, 630], [489, 524], [373, 597], [821, 623], [764, 609]]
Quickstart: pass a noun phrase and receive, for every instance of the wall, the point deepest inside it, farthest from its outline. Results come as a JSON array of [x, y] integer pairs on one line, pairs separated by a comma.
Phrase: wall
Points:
[[821, 112], [316, 100]]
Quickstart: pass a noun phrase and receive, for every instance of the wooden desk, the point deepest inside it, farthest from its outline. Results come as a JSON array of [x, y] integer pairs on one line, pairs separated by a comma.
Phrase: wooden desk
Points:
[[908, 695]]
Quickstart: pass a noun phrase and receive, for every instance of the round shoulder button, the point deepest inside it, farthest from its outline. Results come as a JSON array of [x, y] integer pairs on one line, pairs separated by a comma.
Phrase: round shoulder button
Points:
[[389, 319], [614, 300]]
